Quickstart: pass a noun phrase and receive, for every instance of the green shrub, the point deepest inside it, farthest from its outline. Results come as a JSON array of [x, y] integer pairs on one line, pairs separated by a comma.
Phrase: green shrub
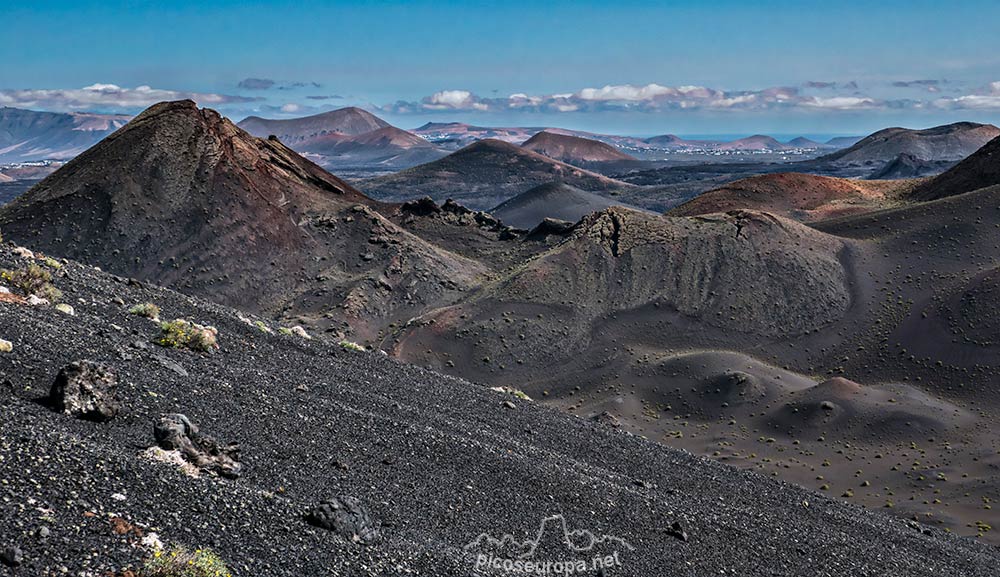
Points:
[[180, 334], [351, 346], [32, 280], [179, 561], [52, 263], [148, 310]]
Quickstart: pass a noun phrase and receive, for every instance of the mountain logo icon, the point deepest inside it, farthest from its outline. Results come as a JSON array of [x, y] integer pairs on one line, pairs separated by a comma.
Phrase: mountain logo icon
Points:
[[553, 534]]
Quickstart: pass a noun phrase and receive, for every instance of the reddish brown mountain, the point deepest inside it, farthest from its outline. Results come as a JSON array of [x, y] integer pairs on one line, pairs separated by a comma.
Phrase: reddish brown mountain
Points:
[[803, 197], [388, 146], [484, 174], [349, 121], [573, 149], [757, 142]]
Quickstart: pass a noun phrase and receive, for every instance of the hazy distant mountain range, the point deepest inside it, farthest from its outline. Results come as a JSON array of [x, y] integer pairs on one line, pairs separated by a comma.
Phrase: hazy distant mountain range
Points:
[[27, 135], [355, 139]]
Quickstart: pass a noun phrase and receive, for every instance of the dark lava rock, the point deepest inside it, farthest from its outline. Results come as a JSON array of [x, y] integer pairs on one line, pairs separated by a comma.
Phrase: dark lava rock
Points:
[[12, 557], [677, 531], [455, 208], [85, 390], [175, 432], [551, 226], [345, 516], [421, 207]]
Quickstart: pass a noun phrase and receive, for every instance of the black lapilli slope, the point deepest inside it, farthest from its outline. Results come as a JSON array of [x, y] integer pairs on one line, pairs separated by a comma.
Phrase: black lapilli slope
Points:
[[435, 461]]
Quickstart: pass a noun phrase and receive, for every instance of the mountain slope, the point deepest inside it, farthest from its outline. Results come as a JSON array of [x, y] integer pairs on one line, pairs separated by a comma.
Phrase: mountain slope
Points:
[[432, 459], [555, 200], [980, 170], [30, 135], [388, 146], [573, 149], [483, 175], [349, 121], [908, 166], [183, 197], [758, 142], [947, 142], [803, 197]]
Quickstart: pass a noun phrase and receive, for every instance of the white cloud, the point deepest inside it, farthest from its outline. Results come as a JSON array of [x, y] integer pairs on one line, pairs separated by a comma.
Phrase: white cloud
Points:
[[291, 108], [454, 100], [107, 96], [656, 97], [841, 103], [988, 98]]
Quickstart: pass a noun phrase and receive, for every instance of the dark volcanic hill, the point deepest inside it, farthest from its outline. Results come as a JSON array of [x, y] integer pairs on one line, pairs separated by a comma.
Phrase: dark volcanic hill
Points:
[[388, 147], [431, 459], [803, 197], [723, 333], [30, 135], [349, 121], [483, 175], [908, 166], [573, 149], [948, 142], [183, 197], [980, 170], [556, 200]]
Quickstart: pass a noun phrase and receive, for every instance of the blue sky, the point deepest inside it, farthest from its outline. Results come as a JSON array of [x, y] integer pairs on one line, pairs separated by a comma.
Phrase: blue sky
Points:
[[627, 67]]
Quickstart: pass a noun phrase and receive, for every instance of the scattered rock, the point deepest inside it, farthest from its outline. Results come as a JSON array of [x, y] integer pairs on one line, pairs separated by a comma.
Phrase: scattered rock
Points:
[[65, 309], [12, 557], [300, 332], [510, 391], [85, 390], [606, 418], [6, 346], [174, 432], [23, 252], [168, 364], [4, 290], [421, 207], [827, 406], [37, 301], [677, 531], [509, 404], [551, 226], [345, 516]]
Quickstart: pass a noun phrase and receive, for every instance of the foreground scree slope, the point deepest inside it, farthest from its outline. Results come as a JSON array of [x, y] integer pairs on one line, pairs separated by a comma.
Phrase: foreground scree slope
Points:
[[435, 460]]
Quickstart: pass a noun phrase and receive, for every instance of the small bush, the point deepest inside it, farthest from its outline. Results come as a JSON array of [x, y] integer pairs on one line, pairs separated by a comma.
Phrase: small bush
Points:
[[182, 562], [180, 334], [148, 310], [296, 331], [52, 263], [32, 280], [351, 346]]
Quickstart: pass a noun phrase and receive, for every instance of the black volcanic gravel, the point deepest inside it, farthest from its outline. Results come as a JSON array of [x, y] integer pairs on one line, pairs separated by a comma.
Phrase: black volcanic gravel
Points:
[[435, 460]]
